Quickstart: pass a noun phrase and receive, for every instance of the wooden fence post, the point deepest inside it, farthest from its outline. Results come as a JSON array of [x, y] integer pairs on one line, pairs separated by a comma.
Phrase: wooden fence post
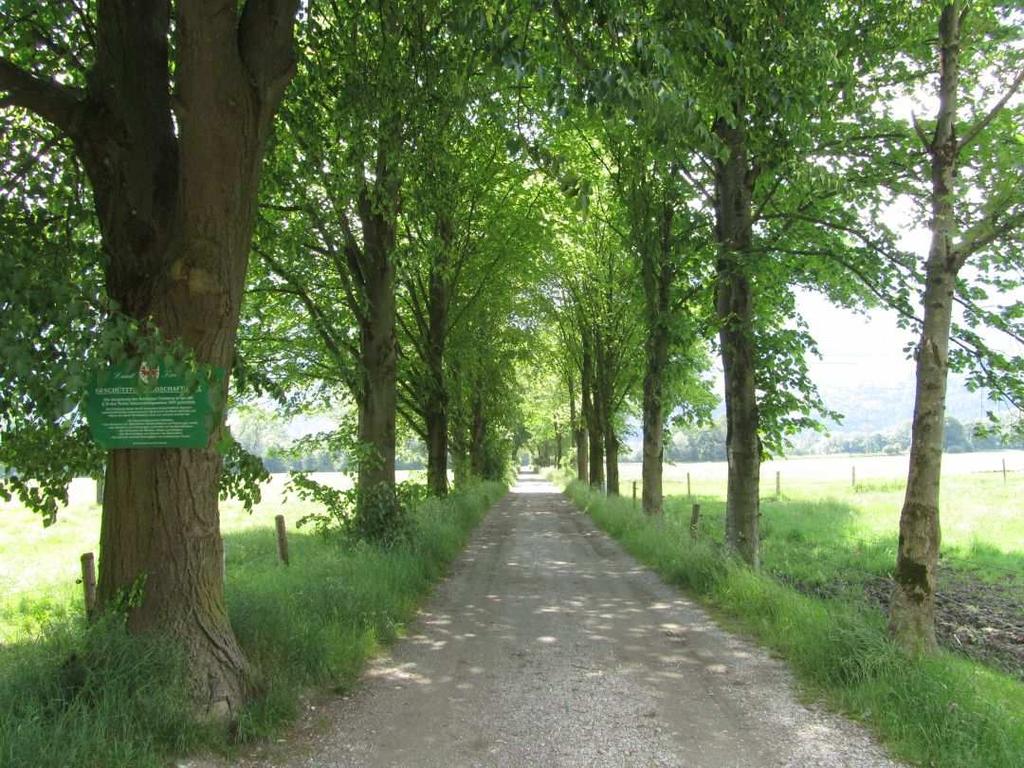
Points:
[[1004, 471], [89, 583], [694, 521], [689, 495], [778, 485], [634, 494], [853, 476], [282, 539]]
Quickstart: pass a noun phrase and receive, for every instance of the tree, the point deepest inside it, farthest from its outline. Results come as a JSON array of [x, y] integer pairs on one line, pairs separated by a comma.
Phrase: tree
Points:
[[763, 79], [403, 195], [667, 243], [485, 402], [470, 235], [169, 123], [329, 231], [960, 230], [600, 310], [546, 415], [51, 307]]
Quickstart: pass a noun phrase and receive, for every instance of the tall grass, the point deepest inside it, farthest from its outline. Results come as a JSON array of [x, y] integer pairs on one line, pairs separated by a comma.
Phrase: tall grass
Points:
[[92, 697], [828, 529], [77, 695], [941, 711], [315, 622]]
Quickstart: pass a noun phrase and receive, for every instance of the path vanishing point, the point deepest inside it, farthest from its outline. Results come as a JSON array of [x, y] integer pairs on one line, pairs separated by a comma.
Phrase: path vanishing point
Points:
[[549, 646]]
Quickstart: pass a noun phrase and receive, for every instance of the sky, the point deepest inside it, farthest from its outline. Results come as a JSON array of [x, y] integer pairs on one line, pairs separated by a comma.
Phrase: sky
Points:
[[856, 349]]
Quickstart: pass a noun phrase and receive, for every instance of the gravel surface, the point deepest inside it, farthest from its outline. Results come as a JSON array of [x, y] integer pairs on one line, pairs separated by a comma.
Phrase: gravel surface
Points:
[[549, 646]]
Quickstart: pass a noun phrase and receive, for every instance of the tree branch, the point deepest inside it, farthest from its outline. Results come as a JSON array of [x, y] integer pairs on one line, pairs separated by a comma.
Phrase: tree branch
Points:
[[57, 104], [332, 341], [980, 125], [266, 45], [985, 232], [925, 141]]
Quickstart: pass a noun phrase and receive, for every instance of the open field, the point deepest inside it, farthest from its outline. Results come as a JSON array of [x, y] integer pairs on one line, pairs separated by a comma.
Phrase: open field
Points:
[[980, 511], [709, 477], [39, 566]]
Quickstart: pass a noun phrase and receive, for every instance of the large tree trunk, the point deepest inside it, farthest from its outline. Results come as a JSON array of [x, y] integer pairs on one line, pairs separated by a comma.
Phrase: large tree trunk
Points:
[[611, 456], [654, 419], [582, 455], [595, 445], [377, 401], [378, 393], [160, 533], [175, 196], [437, 451], [912, 612], [590, 417], [735, 308], [657, 280], [437, 394], [603, 395], [478, 439], [579, 435]]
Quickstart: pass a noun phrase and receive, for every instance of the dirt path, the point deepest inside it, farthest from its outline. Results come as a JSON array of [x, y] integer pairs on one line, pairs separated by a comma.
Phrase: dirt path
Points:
[[548, 646]]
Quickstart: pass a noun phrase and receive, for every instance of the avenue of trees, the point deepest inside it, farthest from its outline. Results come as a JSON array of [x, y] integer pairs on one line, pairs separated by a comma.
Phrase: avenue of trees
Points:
[[483, 227]]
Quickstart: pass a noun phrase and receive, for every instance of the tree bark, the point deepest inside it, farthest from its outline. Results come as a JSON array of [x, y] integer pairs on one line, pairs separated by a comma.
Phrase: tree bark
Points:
[[579, 436], [160, 534], [590, 417], [912, 610], [378, 395], [437, 394], [437, 451], [734, 181], [654, 419], [175, 197], [478, 439], [611, 454], [603, 395], [657, 274], [374, 264], [582, 455]]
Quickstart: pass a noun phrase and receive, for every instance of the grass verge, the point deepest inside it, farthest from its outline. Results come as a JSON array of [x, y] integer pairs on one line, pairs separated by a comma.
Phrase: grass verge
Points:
[[943, 711], [78, 695]]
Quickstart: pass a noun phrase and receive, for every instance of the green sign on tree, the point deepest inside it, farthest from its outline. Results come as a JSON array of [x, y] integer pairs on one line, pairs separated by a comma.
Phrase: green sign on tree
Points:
[[133, 405]]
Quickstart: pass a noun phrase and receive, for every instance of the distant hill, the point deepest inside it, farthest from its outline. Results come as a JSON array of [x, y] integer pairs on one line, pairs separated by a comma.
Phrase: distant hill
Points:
[[881, 407], [868, 408]]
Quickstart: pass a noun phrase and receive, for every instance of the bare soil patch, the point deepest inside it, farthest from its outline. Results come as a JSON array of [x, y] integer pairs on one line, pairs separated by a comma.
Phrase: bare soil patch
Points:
[[982, 620]]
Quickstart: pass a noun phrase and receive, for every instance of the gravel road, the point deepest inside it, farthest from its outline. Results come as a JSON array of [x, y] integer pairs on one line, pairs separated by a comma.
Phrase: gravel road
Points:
[[549, 646]]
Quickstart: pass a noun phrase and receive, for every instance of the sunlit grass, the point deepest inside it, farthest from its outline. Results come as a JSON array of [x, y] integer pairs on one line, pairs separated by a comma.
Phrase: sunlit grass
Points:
[[828, 532], [39, 567]]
